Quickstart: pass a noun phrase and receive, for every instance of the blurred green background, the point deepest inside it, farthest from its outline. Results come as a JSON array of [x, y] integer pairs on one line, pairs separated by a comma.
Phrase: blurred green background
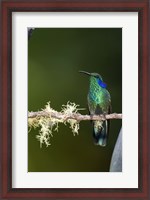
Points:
[[55, 55]]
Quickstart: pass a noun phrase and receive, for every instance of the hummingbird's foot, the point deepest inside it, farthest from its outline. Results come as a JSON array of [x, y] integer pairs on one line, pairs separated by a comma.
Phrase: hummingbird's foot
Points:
[[91, 116], [104, 116]]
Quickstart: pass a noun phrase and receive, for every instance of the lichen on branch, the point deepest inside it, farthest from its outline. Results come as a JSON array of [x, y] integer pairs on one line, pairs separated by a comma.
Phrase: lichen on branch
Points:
[[48, 119], [47, 123]]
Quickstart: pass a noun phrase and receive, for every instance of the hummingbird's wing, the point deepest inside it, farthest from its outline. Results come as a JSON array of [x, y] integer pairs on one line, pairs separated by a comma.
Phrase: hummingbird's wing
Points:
[[101, 128], [108, 120]]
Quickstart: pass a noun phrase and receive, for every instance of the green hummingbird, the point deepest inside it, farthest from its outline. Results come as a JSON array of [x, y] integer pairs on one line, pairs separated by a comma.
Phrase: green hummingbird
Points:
[[99, 102]]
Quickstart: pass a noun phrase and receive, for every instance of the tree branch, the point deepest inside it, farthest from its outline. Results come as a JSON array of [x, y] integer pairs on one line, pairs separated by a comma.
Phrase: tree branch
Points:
[[48, 119], [75, 116]]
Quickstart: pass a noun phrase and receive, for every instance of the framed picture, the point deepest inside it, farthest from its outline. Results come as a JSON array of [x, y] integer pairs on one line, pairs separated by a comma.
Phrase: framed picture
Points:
[[49, 147]]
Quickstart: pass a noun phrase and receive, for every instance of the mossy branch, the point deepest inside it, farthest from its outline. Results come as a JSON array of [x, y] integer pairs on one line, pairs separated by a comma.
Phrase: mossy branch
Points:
[[48, 119], [76, 116]]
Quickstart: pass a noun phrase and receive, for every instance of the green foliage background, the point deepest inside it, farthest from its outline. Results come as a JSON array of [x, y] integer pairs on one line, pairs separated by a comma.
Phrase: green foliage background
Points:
[[55, 55]]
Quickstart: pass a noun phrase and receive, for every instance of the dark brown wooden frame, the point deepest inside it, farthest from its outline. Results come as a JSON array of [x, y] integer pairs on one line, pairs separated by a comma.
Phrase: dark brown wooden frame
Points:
[[9, 6]]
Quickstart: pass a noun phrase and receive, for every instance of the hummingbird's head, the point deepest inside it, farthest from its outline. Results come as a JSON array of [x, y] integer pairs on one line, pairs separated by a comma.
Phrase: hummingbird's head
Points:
[[96, 77]]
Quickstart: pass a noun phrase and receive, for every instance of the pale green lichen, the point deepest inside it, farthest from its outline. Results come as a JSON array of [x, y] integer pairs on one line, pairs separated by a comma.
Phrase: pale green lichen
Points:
[[45, 131], [32, 123], [49, 123], [69, 110]]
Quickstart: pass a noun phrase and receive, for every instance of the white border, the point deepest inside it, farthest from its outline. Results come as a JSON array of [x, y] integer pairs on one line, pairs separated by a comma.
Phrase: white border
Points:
[[129, 177]]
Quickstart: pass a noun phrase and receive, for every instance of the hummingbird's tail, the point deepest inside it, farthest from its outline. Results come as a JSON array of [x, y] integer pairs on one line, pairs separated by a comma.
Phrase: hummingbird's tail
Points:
[[100, 132]]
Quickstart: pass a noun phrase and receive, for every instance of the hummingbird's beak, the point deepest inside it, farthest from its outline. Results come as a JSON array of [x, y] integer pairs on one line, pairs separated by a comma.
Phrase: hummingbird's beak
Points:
[[85, 73]]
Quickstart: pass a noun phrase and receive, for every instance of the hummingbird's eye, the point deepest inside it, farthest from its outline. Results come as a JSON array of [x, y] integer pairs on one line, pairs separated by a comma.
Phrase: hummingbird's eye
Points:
[[97, 76]]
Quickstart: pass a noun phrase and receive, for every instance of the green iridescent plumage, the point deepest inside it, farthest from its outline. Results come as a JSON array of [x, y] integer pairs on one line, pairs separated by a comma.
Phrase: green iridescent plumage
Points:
[[99, 102]]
